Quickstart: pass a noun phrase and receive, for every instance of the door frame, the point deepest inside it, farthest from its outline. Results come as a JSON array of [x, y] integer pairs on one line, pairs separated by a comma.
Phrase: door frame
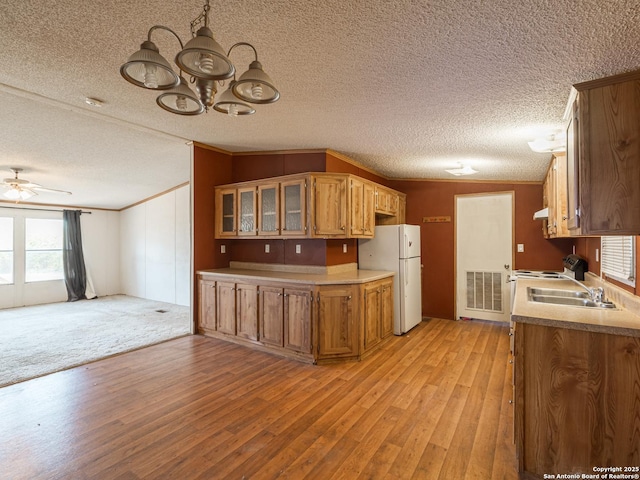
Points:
[[512, 193]]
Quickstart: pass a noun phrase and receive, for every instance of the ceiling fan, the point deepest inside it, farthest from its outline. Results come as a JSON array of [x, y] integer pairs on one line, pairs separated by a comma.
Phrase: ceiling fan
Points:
[[20, 189]]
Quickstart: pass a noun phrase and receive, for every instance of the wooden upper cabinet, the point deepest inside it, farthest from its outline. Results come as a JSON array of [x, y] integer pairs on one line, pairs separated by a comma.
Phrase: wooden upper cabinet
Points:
[[247, 212], [362, 208], [605, 155], [555, 198], [329, 204], [268, 209], [386, 201], [368, 209], [225, 212], [312, 205], [293, 207]]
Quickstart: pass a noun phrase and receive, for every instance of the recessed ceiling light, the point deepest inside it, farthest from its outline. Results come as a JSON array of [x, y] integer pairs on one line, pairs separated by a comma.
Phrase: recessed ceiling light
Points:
[[94, 102]]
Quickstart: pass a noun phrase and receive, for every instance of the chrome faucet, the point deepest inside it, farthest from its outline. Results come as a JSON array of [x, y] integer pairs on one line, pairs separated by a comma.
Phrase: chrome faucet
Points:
[[596, 293]]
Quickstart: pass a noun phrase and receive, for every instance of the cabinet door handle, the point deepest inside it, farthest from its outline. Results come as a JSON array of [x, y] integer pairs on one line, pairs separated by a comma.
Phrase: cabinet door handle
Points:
[[286, 294], [279, 294]]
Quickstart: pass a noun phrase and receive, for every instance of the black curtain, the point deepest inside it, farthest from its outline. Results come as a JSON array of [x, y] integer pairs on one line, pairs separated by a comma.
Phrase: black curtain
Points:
[[75, 275]]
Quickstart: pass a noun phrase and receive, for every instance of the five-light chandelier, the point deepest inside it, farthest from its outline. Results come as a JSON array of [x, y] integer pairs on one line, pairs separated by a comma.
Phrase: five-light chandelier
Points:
[[204, 60]]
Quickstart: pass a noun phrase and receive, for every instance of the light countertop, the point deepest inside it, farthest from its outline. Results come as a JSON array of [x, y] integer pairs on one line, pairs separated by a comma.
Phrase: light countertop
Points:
[[350, 277], [617, 321]]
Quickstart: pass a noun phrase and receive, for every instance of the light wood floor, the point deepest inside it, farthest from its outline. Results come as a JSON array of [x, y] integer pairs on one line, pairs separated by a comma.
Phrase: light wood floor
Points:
[[433, 404]]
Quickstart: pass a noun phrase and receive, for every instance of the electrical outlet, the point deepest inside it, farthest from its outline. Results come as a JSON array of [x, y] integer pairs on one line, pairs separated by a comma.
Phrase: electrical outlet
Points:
[[597, 255], [298, 249], [223, 249], [267, 248], [520, 247], [344, 248]]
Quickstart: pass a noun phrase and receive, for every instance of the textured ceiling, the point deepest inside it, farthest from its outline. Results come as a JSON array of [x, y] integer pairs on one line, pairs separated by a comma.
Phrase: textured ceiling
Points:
[[407, 88]]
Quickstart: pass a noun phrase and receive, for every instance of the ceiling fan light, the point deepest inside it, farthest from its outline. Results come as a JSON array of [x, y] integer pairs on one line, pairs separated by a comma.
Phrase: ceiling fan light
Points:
[[16, 193], [466, 170], [180, 100], [203, 57], [543, 145], [148, 69], [231, 105], [255, 86]]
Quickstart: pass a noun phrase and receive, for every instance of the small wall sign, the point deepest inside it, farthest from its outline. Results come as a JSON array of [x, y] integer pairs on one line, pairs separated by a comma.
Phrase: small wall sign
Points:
[[440, 219]]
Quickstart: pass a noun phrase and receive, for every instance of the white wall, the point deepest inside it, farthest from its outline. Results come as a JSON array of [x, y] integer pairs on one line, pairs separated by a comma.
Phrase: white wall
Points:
[[100, 238], [155, 248]]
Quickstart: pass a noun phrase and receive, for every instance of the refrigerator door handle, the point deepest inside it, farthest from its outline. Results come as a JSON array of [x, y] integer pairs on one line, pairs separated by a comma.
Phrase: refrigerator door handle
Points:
[[406, 245], [406, 271]]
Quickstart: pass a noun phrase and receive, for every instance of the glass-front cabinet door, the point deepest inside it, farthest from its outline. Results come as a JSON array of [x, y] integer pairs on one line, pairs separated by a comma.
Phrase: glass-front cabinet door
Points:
[[293, 207], [247, 211], [268, 207], [225, 212]]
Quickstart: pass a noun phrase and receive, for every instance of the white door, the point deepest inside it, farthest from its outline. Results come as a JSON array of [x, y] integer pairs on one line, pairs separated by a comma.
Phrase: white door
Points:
[[484, 254]]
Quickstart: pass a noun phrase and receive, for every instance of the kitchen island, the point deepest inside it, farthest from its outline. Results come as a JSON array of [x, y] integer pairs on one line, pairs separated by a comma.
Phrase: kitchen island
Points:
[[344, 314], [576, 385]]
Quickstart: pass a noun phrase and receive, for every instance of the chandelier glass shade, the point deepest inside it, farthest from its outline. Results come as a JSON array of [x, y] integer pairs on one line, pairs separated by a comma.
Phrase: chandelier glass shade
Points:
[[204, 60], [180, 100], [18, 193], [230, 104]]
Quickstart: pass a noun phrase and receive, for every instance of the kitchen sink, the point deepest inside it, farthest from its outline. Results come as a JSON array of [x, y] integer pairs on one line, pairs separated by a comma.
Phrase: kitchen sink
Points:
[[574, 298], [551, 292]]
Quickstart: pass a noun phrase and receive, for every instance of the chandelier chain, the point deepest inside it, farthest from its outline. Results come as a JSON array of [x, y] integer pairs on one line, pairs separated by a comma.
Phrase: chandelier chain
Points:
[[199, 19]]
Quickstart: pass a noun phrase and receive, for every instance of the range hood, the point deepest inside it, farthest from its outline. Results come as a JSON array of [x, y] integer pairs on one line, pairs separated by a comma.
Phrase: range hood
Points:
[[541, 214]]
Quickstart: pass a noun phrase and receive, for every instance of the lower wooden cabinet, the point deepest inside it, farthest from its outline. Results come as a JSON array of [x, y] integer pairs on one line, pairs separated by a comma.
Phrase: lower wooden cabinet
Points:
[[576, 400], [317, 323], [271, 314], [337, 332], [226, 307], [371, 325], [247, 311], [377, 302], [285, 317], [387, 307], [207, 312], [297, 319]]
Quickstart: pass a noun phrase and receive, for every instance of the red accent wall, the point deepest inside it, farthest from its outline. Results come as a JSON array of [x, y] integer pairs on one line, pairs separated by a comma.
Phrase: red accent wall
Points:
[[337, 165], [304, 162], [210, 168], [256, 167], [432, 198], [336, 255]]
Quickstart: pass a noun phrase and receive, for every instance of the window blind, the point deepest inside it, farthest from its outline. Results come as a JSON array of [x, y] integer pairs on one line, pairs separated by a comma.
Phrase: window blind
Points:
[[619, 258]]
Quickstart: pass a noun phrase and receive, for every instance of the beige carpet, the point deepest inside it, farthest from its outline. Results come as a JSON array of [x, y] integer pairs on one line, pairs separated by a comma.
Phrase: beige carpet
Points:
[[43, 339]]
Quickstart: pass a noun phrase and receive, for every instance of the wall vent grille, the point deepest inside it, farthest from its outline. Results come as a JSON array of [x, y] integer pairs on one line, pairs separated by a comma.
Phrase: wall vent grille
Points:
[[484, 291]]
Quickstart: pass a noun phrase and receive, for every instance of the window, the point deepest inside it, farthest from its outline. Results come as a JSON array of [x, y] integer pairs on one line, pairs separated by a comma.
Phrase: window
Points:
[[619, 258], [43, 249], [6, 250]]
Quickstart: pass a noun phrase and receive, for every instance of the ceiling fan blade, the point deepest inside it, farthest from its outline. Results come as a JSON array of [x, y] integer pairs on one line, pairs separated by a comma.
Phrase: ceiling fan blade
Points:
[[49, 190]]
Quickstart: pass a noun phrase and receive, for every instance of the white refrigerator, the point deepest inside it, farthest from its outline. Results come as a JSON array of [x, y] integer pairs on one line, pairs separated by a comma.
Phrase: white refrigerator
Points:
[[397, 248]]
